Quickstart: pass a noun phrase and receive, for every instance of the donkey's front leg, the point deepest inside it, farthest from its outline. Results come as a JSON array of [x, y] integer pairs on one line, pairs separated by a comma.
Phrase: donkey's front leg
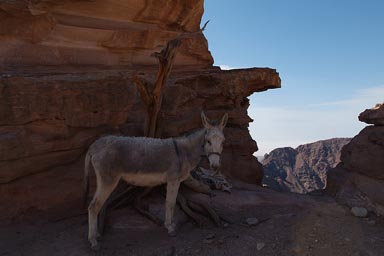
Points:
[[170, 201]]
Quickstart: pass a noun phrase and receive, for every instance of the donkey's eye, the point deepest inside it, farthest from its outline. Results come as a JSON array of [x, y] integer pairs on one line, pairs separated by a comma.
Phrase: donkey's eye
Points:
[[209, 142]]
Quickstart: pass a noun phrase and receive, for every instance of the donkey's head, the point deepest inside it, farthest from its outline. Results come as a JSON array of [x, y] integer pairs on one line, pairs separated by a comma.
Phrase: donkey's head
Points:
[[214, 139]]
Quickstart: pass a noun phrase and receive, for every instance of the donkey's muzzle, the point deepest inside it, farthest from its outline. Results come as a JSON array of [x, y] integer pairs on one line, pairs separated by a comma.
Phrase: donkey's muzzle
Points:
[[214, 160], [215, 167]]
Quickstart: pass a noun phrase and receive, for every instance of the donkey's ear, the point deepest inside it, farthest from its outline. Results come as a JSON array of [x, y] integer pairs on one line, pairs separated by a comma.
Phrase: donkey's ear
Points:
[[223, 121], [205, 120]]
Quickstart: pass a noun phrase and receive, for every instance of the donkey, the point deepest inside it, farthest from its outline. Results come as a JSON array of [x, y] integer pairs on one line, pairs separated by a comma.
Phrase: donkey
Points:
[[149, 162]]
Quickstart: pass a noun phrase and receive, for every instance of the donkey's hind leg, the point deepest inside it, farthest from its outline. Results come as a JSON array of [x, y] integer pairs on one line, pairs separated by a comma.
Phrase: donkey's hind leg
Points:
[[170, 201], [103, 190]]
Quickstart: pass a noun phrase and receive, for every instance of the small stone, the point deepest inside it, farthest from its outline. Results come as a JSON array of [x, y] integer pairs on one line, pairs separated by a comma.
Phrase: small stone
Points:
[[371, 222], [360, 212], [298, 250], [225, 225], [252, 221], [208, 241], [260, 246]]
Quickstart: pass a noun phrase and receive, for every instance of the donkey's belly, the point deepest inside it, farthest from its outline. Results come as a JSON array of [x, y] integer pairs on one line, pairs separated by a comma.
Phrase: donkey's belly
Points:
[[145, 179]]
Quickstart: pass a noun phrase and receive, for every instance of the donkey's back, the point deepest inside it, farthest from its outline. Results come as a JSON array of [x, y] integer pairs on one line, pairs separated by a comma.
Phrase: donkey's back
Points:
[[132, 155]]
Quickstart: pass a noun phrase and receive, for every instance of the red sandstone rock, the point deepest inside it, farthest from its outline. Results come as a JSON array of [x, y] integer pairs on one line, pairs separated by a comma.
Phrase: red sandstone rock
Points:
[[41, 114], [102, 32], [374, 115], [359, 179], [365, 153]]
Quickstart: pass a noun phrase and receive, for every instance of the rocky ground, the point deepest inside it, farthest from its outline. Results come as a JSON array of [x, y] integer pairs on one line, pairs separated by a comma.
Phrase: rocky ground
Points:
[[290, 224]]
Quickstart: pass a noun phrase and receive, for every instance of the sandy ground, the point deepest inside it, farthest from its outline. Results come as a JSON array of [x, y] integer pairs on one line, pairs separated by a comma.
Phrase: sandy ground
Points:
[[295, 225]]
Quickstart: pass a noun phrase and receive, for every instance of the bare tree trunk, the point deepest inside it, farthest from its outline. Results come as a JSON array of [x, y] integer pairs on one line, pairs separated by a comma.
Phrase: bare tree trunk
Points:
[[153, 99]]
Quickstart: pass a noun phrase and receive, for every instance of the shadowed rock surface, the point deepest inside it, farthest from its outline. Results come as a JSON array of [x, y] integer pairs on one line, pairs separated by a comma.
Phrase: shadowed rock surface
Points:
[[359, 179], [303, 169]]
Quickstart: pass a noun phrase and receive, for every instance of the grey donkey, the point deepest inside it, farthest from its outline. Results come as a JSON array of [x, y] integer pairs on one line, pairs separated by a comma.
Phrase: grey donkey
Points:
[[149, 162]]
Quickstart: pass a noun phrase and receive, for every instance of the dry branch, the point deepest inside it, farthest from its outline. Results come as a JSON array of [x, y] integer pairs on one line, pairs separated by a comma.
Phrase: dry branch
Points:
[[197, 186], [184, 204]]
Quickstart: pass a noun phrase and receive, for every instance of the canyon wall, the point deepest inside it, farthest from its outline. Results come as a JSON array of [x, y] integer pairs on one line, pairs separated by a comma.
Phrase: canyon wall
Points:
[[303, 169], [67, 69]]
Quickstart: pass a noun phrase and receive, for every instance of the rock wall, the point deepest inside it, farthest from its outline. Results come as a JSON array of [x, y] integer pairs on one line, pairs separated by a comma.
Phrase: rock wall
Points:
[[359, 179], [49, 120], [101, 32], [67, 80]]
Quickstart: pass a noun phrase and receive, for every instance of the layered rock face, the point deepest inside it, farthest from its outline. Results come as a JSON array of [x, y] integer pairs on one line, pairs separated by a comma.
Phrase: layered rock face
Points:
[[303, 169], [101, 32], [359, 179], [63, 86], [49, 120]]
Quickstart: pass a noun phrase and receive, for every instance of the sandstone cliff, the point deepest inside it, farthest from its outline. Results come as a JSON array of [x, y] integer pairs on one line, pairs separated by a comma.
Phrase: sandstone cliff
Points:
[[303, 169], [102, 32], [67, 80], [359, 179]]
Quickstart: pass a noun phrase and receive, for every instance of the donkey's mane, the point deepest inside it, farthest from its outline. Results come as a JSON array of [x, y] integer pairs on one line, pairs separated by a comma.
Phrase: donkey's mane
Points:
[[191, 134]]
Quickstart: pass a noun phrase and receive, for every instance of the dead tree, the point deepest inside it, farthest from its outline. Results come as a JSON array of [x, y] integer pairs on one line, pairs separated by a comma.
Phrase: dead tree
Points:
[[153, 99]]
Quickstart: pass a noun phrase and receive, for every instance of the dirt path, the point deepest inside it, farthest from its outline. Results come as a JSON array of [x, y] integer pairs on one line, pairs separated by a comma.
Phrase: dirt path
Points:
[[296, 225]]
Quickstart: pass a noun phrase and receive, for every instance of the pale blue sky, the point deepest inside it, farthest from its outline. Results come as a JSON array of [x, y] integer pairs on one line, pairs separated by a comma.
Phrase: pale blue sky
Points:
[[330, 56]]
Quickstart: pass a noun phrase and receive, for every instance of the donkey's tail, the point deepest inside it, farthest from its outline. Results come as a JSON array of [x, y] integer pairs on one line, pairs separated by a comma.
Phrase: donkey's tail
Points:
[[87, 169]]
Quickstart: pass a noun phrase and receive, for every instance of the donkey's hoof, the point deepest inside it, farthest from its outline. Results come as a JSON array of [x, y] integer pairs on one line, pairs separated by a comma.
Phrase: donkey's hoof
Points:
[[172, 233], [171, 229], [95, 246]]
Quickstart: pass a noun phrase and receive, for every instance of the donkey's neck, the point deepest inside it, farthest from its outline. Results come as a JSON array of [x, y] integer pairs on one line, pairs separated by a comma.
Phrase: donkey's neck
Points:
[[191, 147]]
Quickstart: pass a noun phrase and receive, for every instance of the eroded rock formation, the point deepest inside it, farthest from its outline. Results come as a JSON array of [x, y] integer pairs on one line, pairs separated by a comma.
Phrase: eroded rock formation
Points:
[[374, 115], [101, 32], [67, 79], [359, 179], [303, 169]]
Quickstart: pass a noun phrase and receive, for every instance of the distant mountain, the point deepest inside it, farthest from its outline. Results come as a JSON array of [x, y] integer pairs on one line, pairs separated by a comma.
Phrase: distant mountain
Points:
[[303, 169]]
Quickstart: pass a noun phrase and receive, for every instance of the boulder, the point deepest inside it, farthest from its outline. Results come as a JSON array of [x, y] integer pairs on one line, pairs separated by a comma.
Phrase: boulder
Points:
[[359, 178], [374, 115], [364, 154], [360, 212]]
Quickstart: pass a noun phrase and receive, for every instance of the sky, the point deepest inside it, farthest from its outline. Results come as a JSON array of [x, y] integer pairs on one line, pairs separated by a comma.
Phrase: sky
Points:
[[329, 54]]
